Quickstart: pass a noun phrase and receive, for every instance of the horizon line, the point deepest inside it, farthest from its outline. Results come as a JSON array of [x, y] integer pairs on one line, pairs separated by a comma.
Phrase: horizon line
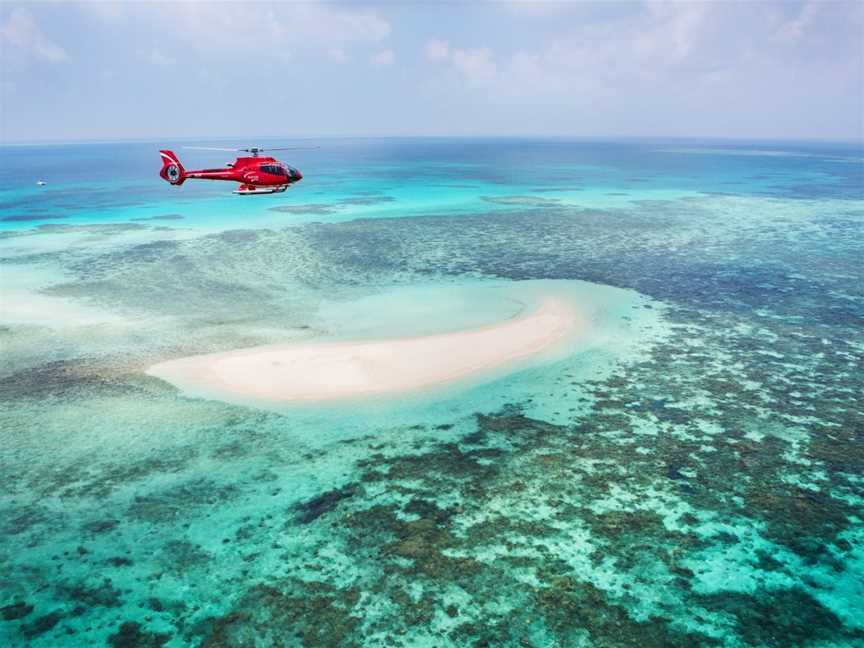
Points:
[[240, 138]]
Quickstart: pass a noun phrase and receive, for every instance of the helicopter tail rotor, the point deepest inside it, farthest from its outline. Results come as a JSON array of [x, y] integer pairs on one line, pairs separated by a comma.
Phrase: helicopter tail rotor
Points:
[[172, 171]]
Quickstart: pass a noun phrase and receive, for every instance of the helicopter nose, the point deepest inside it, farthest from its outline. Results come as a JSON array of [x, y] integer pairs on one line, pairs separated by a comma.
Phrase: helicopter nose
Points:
[[297, 175]]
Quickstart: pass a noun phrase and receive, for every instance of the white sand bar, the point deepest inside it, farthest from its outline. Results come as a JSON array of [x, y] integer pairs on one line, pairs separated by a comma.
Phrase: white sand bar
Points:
[[347, 369]]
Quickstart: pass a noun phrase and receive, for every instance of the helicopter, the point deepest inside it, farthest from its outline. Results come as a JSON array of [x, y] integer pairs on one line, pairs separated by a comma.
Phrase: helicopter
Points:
[[256, 174]]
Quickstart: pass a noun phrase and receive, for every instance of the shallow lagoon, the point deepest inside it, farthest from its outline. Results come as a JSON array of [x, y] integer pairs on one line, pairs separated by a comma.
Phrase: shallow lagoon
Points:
[[698, 484]]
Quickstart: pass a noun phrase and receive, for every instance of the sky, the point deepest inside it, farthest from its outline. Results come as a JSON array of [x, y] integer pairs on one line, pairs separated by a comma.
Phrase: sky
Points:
[[207, 70]]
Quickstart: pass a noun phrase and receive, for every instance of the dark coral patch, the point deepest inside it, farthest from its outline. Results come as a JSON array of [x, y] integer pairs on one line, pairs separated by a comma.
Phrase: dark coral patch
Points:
[[101, 526], [30, 217], [780, 618], [131, 634], [102, 595], [287, 613], [15, 611], [314, 508], [42, 624]]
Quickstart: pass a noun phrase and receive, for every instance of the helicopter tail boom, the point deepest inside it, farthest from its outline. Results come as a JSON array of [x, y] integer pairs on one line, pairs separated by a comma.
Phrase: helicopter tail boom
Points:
[[172, 171]]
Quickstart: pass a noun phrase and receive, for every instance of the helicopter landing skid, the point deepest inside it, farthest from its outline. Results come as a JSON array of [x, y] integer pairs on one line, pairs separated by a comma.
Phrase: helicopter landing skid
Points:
[[247, 190]]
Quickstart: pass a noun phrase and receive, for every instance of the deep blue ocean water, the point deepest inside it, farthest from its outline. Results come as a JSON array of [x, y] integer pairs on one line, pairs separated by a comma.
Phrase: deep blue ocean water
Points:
[[694, 477]]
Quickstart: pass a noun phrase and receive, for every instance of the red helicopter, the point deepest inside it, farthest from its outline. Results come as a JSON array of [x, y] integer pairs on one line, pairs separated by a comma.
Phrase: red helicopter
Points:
[[256, 174]]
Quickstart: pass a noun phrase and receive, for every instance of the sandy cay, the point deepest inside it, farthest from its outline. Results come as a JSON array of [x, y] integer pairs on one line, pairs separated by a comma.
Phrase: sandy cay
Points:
[[316, 371]]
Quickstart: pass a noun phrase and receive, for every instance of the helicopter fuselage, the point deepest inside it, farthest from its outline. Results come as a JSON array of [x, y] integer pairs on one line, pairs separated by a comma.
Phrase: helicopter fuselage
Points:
[[256, 174]]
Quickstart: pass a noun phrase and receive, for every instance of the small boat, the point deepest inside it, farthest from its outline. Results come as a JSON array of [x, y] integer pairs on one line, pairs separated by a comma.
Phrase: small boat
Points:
[[41, 183]]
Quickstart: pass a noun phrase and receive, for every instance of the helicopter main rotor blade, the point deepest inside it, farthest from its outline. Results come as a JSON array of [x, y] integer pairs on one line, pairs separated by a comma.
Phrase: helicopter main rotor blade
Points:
[[255, 150], [295, 148], [284, 148], [212, 148]]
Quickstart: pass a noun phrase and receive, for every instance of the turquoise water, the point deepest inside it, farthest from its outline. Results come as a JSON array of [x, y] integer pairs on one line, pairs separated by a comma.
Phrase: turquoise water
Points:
[[691, 477]]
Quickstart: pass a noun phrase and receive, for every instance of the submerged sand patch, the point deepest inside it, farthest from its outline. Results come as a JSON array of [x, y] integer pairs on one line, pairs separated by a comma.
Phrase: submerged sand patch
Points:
[[322, 371]]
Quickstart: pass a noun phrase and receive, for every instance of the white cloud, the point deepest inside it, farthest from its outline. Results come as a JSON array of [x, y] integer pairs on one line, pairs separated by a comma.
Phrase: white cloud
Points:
[[691, 68], [475, 64], [155, 56], [338, 55], [530, 70], [383, 58], [646, 67], [793, 30], [21, 32], [680, 43], [305, 22], [437, 50], [341, 24], [222, 31]]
